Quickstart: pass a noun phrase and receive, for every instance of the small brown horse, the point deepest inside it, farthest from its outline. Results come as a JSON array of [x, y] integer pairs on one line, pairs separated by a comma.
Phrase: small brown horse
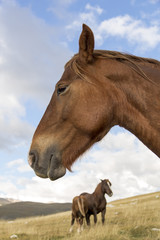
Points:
[[98, 89], [87, 204]]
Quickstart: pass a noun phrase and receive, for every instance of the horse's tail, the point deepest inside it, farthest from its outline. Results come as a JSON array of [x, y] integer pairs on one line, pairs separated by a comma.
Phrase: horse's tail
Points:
[[81, 205]]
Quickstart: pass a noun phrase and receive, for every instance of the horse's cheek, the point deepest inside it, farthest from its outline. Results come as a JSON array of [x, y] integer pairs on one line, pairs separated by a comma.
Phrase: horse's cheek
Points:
[[68, 111]]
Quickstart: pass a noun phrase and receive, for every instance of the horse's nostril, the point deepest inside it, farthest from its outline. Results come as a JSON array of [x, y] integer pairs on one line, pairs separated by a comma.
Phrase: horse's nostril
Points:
[[32, 158]]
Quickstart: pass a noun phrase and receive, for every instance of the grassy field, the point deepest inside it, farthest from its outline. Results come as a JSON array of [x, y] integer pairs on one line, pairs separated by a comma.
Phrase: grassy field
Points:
[[132, 218]]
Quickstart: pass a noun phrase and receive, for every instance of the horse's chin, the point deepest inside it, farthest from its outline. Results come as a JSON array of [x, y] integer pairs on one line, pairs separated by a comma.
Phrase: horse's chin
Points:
[[110, 195], [41, 175], [56, 169]]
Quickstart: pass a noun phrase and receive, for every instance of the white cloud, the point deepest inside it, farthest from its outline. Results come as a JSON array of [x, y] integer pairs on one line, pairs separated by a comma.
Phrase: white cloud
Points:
[[29, 53], [20, 165], [96, 9], [8, 188], [31, 61], [13, 130], [88, 16], [10, 105], [135, 31], [14, 133]]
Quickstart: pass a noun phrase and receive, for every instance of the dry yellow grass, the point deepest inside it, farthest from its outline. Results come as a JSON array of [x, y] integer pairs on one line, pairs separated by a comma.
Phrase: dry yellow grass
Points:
[[133, 218]]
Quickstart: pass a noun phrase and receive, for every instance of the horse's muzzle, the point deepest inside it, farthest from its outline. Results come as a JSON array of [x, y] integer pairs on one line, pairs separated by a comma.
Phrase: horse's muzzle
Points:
[[50, 167], [55, 169], [111, 194]]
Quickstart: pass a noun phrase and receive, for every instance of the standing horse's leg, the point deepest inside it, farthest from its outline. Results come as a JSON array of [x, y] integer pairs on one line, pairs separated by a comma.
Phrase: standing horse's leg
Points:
[[88, 219], [95, 216], [77, 220], [103, 215], [72, 222], [80, 223]]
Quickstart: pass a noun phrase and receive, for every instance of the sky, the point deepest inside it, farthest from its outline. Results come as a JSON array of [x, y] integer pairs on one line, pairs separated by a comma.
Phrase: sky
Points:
[[37, 38]]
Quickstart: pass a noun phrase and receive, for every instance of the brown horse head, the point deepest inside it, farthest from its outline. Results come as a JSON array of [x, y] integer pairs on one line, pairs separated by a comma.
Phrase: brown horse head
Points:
[[106, 187], [74, 119], [98, 89]]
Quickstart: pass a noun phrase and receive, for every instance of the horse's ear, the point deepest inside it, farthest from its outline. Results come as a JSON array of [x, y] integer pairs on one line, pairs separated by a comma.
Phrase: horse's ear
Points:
[[86, 45]]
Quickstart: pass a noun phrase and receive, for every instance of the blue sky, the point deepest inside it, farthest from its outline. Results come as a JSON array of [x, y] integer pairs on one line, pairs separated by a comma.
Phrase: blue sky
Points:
[[36, 39]]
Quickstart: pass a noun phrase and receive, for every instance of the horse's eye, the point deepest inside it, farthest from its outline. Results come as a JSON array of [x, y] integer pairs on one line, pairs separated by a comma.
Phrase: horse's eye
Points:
[[61, 89]]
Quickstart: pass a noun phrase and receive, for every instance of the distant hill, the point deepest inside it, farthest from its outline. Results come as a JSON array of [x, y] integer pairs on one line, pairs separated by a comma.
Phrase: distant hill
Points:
[[11, 211], [4, 201]]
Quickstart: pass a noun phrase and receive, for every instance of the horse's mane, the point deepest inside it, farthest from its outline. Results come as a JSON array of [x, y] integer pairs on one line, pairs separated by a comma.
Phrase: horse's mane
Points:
[[123, 56], [128, 59]]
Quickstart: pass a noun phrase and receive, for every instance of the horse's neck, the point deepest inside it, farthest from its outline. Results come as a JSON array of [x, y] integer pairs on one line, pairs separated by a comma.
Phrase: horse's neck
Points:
[[140, 113], [98, 194], [140, 126]]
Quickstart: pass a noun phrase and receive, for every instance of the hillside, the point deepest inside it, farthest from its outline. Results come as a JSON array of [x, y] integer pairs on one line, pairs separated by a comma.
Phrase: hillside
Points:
[[29, 209], [4, 201], [136, 218]]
